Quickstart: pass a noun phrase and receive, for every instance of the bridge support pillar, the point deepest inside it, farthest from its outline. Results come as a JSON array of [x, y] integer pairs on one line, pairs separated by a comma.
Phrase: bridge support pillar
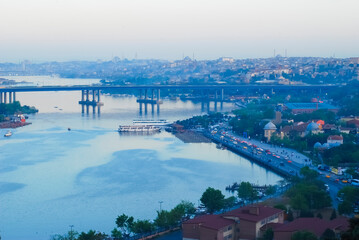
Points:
[[87, 94], [82, 95], [222, 95], [93, 95], [5, 97], [98, 96], [0, 97], [158, 94], [13, 97], [153, 94]]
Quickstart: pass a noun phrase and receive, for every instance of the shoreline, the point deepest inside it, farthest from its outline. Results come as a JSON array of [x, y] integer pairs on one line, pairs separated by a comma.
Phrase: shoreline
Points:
[[9, 124]]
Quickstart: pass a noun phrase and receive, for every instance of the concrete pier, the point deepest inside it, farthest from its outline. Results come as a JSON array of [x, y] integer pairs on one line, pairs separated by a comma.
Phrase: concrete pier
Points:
[[85, 98]]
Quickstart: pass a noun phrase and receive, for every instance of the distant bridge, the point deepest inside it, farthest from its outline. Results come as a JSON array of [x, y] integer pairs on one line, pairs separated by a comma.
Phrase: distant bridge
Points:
[[7, 94]]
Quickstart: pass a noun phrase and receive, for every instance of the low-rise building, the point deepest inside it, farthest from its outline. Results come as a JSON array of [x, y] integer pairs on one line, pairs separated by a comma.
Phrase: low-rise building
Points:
[[298, 108], [315, 225], [208, 227], [335, 140], [240, 224]]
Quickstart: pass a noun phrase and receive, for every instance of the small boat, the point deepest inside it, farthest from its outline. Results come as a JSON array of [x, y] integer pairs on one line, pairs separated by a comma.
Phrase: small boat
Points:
[[68, 129], [8, 134]]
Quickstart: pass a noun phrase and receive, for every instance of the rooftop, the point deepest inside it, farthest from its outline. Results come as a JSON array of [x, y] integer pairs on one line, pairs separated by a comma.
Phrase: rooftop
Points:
[[253, 213], [314, 225], [310, 106], [211, 221]]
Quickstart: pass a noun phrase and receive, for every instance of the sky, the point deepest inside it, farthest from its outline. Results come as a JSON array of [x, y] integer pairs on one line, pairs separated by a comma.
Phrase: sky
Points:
[[63, 30]]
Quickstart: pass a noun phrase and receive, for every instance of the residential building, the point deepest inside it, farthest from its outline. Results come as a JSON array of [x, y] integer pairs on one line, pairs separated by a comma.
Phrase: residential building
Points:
[[315, 225], [240, 224]]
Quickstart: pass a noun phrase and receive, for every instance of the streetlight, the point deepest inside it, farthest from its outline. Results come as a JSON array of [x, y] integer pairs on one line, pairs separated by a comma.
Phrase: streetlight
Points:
[[160, 202], [71, 232]]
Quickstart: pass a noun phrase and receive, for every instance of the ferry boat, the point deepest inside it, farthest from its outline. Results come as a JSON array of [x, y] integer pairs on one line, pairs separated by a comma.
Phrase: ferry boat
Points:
[[138, 128], [145, 122], [8, 134]]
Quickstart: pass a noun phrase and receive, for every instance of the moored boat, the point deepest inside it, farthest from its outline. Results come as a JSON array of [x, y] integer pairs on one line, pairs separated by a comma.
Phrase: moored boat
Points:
[[8, 134], [138, 128], [159, 122]]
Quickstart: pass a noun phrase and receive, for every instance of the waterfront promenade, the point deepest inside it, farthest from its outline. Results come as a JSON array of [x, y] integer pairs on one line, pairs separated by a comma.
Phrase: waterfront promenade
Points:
[[276, 163]]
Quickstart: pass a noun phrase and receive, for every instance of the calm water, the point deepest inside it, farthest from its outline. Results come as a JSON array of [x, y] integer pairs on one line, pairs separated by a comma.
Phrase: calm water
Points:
[[51, 178]]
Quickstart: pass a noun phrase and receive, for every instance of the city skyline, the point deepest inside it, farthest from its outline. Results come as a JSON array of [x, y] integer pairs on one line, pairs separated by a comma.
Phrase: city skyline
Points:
[[53, 30]]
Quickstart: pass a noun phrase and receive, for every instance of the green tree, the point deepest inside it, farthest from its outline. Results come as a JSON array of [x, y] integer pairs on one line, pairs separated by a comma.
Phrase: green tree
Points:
[[142, 226], [334, 214], [328, 234], [353, 231], [92, 235], [304, 235], [229, 202], [290, 215], [268, 234], [71, 235], [246, 191], [271, 190], [345, 207], [163, 219], [124, 223], [308, 173], [299, 202], [212, 199], [116, 234]]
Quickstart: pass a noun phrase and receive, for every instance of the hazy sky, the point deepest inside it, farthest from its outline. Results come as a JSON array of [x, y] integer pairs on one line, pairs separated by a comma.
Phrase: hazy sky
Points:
[[41, 30]]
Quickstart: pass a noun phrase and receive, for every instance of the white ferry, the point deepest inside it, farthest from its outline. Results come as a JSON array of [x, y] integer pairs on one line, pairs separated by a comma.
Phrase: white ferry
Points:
[[8, 134], [138, 128], [159, 122]]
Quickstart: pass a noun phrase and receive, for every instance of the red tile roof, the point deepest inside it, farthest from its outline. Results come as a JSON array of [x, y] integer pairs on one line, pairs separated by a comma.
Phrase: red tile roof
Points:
[[335, 137], [297, 128], [244, 213], [216, 222], [354, 122], [314, 225]]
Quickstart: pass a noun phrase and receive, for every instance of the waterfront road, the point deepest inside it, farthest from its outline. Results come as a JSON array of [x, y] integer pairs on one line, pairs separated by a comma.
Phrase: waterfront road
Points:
[[284, 161]]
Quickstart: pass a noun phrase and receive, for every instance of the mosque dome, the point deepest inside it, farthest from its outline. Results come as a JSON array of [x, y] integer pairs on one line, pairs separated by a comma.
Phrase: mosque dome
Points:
[[270, 126], [313, 127], [326, 145], [317, 145]]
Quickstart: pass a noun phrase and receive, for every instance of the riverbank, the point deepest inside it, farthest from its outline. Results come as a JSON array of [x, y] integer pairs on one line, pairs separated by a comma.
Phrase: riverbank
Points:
[[10, 124], [189, 136], [280, 165]]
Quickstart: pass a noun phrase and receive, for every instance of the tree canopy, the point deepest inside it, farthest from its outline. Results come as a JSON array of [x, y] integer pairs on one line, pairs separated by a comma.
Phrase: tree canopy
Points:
[[212, 199]]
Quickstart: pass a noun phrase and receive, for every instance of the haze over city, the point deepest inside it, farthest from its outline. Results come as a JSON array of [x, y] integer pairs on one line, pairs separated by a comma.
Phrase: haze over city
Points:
[[52, 30]]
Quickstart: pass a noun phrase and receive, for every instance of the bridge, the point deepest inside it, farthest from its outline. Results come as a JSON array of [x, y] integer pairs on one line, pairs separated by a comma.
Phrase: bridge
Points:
[[8, 94]]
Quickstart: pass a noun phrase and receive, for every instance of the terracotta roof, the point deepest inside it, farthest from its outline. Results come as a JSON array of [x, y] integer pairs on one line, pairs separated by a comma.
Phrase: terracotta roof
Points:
[[335, 137], [314, 225], [329, 126], [354, 122], [270, 225], [297, 128], [244, 213], [211, 221]]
